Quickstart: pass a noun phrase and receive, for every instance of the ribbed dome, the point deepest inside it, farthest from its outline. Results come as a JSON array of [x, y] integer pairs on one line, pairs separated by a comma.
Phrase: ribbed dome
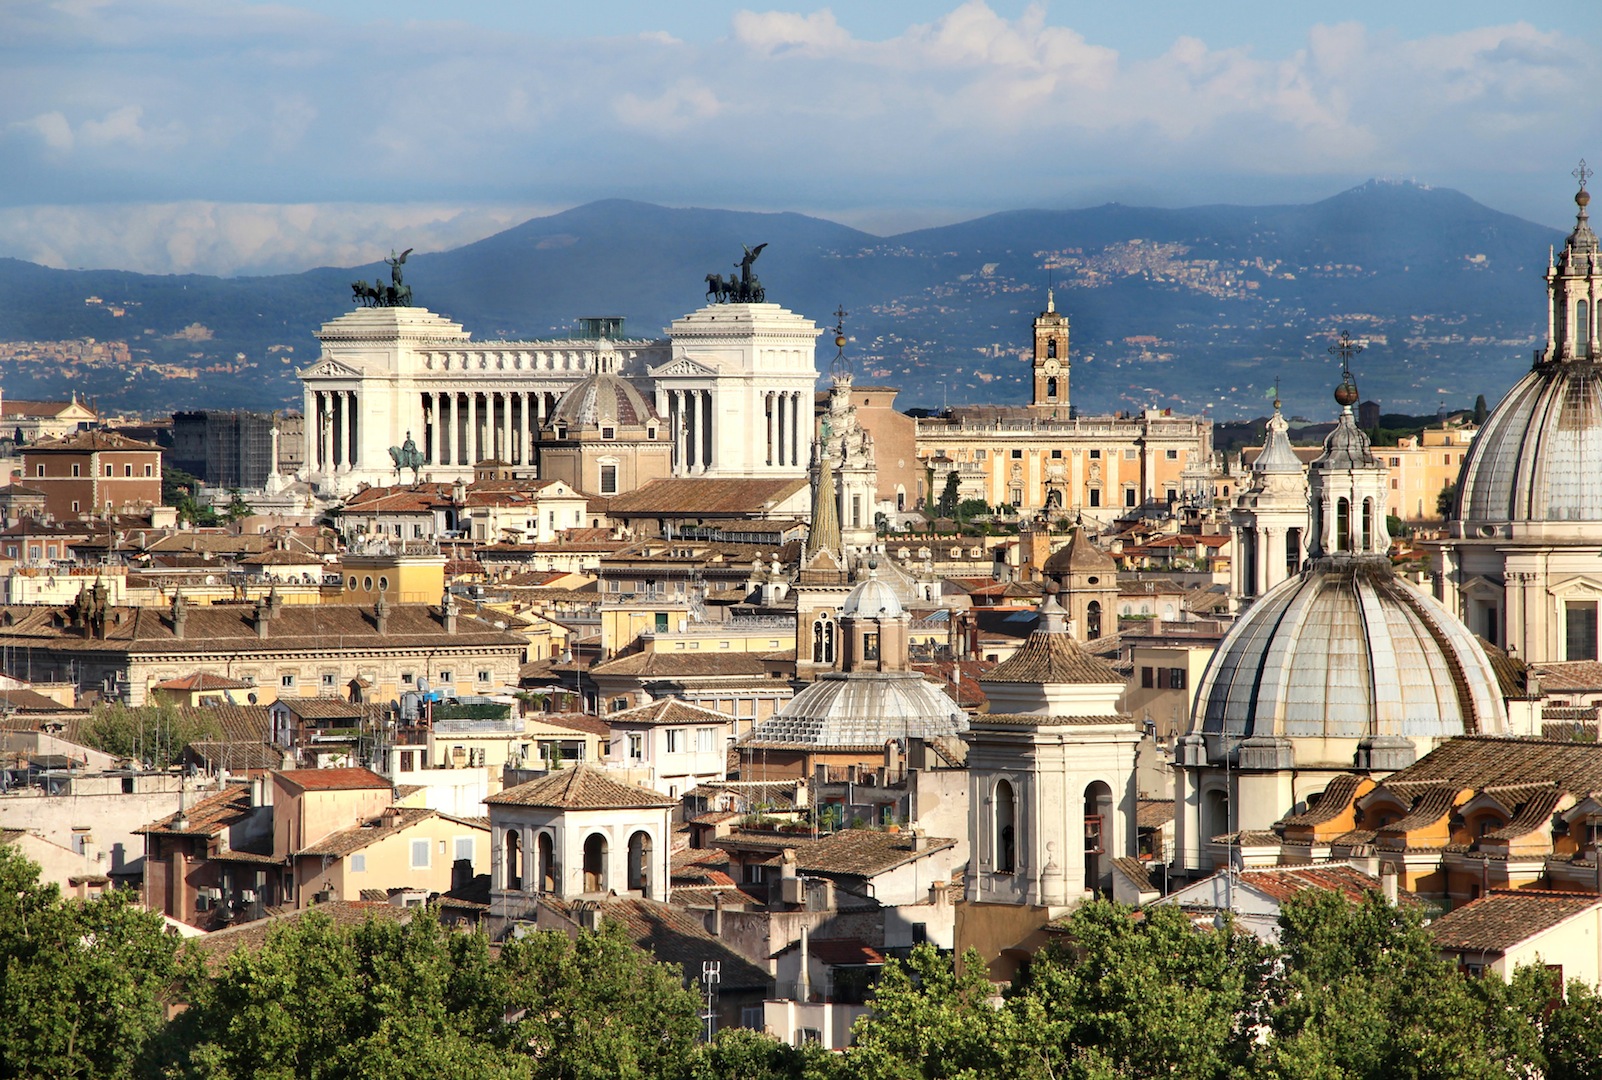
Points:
[[862, 709], [1539, 455], [603, 398], [872, 599], [1347, 650]]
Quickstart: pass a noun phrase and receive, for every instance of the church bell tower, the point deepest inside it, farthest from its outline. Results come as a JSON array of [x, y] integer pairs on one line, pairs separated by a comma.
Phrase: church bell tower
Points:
[[1051, 360]]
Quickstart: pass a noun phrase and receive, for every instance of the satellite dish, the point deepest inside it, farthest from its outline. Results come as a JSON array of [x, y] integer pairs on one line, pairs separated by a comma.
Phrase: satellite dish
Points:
[[251, 697], [422, 685]]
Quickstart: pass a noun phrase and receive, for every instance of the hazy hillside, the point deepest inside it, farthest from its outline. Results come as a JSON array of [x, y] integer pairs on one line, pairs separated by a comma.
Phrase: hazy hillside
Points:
[[1187, 308]]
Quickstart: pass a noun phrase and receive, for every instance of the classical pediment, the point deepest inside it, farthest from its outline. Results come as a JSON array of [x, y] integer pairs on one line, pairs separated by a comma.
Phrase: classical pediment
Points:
[[683, 367], [1482, 587], [1577, 587], [329, 368]]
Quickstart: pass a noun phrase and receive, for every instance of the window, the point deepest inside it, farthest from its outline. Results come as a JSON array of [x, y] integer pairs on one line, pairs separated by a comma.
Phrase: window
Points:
[[661, 622], [287, 682], [383, 584], [1171, 455], [408, 761], [406, 677], [675, 740], [636, 747], [41, 470], [1017, 455], [358, 863], [483, 676], [870, 646], [150, 470], [108, 470], [464, 849], [1095, 496], [367, 584], [705, 740], [609, 433], [1130, 455], [1580, 630], [1171, 495], [328, 681], [1146, 681], [751, 1017], [1095, 455], [127, 470], [1129, 496], [608, 479], [446, 677], [650, 433], [75, 470], [980, 455], [1006, 847], [1056, 455], [420, 854]]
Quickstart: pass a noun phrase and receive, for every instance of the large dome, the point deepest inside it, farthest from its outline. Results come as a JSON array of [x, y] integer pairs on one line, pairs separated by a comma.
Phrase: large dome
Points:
[[1539, 455], [1347, 650]]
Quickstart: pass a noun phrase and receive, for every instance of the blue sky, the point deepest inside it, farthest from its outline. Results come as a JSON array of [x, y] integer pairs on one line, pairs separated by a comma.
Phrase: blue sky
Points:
[[236, 136]]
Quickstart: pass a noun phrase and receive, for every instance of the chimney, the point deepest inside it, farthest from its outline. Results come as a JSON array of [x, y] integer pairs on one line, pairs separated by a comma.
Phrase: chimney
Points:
[[717, 914], [803, 985], [261, 618], [1387, 878], [275, 603], [381, 615], [448, 612]]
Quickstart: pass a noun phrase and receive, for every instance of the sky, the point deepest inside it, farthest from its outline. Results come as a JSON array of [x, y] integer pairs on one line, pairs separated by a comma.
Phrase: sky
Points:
[[246, 136]]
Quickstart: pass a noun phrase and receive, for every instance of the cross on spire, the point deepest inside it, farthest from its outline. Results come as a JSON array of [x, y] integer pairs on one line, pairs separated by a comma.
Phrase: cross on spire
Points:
[[1345, 348], [1583, 173], [840, 365]]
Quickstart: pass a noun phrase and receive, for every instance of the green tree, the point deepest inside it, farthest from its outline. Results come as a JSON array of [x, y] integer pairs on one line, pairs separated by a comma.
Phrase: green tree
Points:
[[82, 983], [930, 1022], [947, 507], [1479, 410], [1572, 1037], [742, 1054], [1444, 501], [154, 735], [1154, 997], [237, 508], [972, 508], [1365, 993]]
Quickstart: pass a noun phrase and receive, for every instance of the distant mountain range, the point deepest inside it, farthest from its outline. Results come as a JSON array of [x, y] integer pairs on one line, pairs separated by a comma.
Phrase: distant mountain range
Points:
[[1189, 309]]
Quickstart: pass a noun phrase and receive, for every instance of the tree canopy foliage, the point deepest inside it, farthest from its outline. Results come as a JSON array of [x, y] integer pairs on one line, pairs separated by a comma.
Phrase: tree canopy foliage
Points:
[[154, 735], [1350, 991]]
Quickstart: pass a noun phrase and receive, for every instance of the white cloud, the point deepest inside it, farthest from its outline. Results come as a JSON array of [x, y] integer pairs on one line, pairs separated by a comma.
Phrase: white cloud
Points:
[[249, 238], [269, 109]]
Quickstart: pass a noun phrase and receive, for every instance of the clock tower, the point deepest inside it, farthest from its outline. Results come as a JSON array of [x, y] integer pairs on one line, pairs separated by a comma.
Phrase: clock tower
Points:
[[1051, 361]]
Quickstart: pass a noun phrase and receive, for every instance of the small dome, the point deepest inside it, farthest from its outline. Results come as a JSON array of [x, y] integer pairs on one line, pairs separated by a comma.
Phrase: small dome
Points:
[[1079, 555], [862, 710], [1347, 650], [1539, 456], [872, 599], [603, 398]]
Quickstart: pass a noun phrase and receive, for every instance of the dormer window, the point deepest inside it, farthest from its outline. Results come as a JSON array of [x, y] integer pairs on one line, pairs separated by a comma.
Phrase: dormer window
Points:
[[609, 433]]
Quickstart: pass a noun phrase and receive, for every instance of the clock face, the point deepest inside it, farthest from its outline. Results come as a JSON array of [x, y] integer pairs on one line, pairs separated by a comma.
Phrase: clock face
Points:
[[1051, 367]]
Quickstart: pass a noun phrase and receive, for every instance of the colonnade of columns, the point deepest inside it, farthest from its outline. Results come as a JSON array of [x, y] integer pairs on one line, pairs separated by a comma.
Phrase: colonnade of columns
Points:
[[789, 415], [334, 435], [690, 420], [464, 428]]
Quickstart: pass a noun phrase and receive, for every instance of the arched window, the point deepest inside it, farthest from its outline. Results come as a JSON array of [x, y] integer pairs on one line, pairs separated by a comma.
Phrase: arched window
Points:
[[1582, 327], [1098, 821], [1368, 524], [1293, 550], [514, 859], [640, 863], [595, 863], [1006, 829], [1051, 387], [1343, 525], [1051, 353], [1093, 620], [1560, 314], [547, 868], [823, 638]]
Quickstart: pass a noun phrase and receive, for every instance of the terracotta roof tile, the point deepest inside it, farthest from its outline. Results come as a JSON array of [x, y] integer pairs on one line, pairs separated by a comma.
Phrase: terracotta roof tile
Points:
[[583, 787], [1502, 919], [660, 665], [851, 852], [337, 845], [334, 779], [667, 711], [705, 497], [1051, 658]]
